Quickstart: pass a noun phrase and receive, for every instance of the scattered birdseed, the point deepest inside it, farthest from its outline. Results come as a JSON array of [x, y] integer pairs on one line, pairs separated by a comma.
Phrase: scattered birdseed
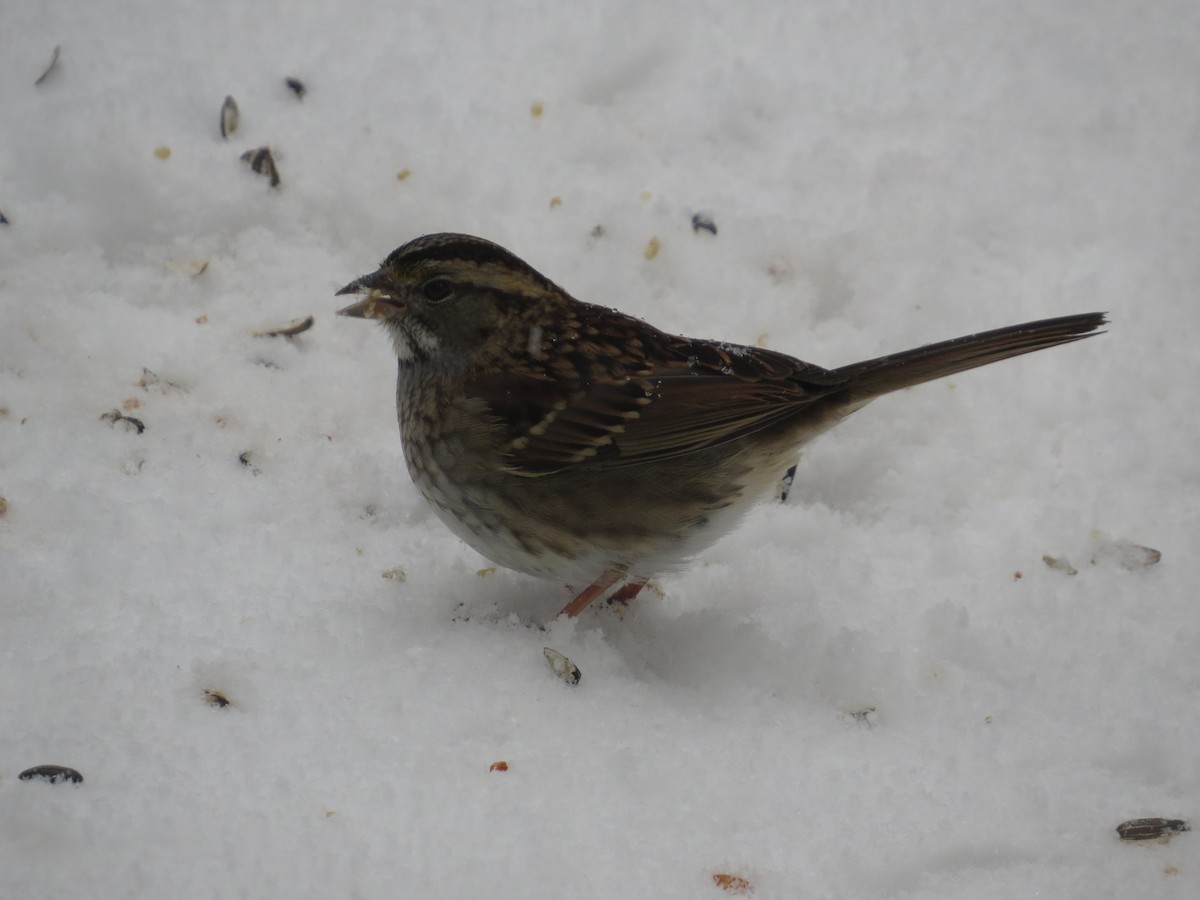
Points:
[[229, 117], [1059, 564], [703, 222], [50, 68], [397, 574], [733, 884], [403, 174], [217, 699], [498, 766], [189, 267], [536, 109], [151, 379], [652, 248], [131, 424], [555, 202], [162, 151], [246, 458], [562, 666], [1126, 554], [865, 716], [52, 774], [291, 329], [597, 231], [3, 507], [785, 486], [296, 86], [262, 162], [1151, 829]]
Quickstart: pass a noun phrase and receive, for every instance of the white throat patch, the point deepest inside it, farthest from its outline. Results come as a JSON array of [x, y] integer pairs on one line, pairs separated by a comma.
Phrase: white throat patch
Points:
[[414, 341]]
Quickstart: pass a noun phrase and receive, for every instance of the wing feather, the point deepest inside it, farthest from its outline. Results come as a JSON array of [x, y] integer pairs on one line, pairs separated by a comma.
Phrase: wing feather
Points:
[[699, 395]]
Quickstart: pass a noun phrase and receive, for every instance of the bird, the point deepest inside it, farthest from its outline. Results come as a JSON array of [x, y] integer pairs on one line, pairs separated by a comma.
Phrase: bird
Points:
[[573, 442]]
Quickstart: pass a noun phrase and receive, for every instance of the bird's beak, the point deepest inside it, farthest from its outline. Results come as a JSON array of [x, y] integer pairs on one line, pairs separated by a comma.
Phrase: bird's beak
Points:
[[376, 302]]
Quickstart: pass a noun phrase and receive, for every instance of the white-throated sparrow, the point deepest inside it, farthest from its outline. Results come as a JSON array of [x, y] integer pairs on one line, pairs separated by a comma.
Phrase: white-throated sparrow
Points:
[[574, 442]]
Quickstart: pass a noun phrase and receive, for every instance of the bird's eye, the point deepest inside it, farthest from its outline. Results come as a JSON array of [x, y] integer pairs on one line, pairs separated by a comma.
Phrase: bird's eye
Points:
[[437, 289]]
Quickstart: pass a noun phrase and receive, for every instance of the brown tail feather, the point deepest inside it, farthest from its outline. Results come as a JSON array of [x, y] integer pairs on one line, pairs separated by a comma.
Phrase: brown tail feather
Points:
[[867, 380]]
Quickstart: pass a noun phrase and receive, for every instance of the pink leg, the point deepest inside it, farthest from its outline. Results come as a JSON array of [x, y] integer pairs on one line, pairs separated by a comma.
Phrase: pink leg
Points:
[[627, 591], [591, 592]]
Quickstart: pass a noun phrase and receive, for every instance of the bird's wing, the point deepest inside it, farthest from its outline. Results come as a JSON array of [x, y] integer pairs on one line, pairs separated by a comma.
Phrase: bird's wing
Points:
[[680, 396]]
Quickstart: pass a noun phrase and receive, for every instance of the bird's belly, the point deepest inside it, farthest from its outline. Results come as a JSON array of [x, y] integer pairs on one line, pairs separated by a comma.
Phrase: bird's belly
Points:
[[574, 525]]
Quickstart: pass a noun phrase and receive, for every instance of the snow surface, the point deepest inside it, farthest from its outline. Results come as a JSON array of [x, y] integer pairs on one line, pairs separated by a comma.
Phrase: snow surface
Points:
[[881, 175]]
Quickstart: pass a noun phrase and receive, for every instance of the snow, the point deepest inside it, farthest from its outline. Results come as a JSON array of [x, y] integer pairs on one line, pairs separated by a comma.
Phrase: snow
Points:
[[881, 175]]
